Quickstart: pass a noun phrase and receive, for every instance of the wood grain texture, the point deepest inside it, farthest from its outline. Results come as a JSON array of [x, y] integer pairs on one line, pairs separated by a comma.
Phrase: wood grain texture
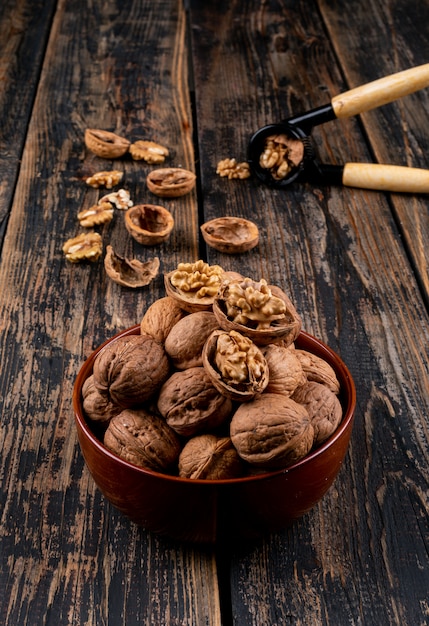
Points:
[[66, 556], [361, 556]]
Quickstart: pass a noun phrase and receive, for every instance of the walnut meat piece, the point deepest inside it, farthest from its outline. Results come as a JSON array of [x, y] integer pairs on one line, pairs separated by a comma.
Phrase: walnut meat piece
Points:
[[236, 366], [184, 344], [149, 224], [101, 213], [105, 179], [160, 318], [286, 372], [281, 155], [130, 272], [105, 144], [231, 235], [83, 247], [144, 439], [149, 151], [231, 168], [271, 431], [96, 404], [323, 407], [120, 199], [190, 404], [194, 285], [131, 369], [170, 182], [209, 457], [318, 370]]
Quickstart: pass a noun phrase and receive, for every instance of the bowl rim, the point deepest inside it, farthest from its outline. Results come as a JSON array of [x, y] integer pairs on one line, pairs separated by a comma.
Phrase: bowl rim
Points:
[[346, 422]]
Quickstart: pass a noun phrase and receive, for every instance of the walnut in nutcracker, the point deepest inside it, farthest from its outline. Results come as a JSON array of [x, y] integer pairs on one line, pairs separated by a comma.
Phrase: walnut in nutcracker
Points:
[[131, 369], [272, 431], [143, 438], [190, 404]]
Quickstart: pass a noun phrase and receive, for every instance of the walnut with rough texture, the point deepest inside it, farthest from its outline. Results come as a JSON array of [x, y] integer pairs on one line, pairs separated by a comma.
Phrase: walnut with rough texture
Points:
[[281, 155], [272, 431], [190, 404], [101, 213], [130, 272], [149, 224], [286, 373], [83, 247], [120, 199], [236, 366], [209, 457], [105, 144], [184, 344], [160, 318], [149, 151], [170, 182], [105, 179], [318, 370], [144, 439], [323, 407], [231, 235], [233, 169], [131, 369], [194, 285], [96, 404]]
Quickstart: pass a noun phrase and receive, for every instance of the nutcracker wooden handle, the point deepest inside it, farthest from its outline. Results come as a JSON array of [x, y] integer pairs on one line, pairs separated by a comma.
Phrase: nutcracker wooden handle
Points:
[[386, 177], [381, 91]]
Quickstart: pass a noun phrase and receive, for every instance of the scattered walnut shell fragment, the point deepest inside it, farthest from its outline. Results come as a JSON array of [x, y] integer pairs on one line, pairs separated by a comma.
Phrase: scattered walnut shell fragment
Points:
[[323, 407], [161, 317], [129, 272], [149, 224], [184, 343], [209, 457], [105, 179], [120, 199], [272, 431], [236, 367], [84, 247], [149, 151], [101, 213], [231, 235], [105, 144], [170, 182], [231, 168], [194, 285], [144, 439]]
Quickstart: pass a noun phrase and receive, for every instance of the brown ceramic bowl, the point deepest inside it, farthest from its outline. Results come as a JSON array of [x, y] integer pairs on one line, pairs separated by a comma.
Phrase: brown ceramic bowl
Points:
[[218, 510]]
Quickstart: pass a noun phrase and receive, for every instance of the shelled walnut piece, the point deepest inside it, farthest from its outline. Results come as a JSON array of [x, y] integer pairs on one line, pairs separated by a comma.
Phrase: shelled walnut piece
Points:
[[231, 168], [149, 151], [83, 247], [105, 179], [101, 213], [269, 430]]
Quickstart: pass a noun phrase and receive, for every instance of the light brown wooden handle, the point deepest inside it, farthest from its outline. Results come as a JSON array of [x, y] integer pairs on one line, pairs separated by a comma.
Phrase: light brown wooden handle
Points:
[[381, 91], [386, 177]]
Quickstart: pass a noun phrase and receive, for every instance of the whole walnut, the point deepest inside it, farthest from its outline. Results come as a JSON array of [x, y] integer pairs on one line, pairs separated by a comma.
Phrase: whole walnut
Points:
[[190, 404], [209, 457], [144, 439], [184, 343], [286, 372], [272, 431], [160, 318], [131, 369], [96, 404], [318, 370], [323, 406]]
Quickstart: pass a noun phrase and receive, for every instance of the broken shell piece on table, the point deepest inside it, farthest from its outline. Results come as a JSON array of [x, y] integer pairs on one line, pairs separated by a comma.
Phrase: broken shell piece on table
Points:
[[129, 272]]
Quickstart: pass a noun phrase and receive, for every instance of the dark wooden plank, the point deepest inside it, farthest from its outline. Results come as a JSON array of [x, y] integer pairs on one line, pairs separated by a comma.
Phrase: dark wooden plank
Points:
[[24, 30], [361, 557], [66, 556]]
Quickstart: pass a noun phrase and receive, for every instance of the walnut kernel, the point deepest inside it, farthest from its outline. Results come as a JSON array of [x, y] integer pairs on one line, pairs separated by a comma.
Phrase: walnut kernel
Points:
[[86, 246], [232, 169], [105, 179], [149, 151], [94, 216]]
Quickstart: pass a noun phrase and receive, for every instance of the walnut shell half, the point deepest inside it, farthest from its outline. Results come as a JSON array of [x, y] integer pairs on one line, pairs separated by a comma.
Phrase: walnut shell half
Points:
[[105, 144], [149, 224], [129, 272], [272, 431], [170, 182], [231, 235]]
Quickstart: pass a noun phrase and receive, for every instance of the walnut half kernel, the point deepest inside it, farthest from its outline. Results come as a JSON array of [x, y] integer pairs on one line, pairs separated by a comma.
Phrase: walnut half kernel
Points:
[[83, 247]]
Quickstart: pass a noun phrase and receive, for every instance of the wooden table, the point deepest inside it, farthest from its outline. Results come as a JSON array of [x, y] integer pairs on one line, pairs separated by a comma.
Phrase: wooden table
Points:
[[200, 80]]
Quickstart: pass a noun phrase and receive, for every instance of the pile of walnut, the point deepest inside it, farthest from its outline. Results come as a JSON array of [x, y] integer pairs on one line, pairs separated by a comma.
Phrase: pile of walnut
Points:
[[213, 386]]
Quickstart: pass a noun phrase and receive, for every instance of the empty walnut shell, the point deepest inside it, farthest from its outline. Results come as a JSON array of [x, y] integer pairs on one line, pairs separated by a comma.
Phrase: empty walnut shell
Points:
[[129, 272], [285, 326], [236, 367], [231, 235], [170, 182], [149, 224], [209, 457], [105, 144]]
